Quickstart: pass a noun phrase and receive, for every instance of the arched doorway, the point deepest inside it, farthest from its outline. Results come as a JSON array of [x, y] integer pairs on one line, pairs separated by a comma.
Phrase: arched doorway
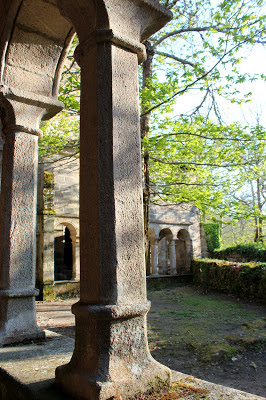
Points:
[[184, 252], [64, 252]]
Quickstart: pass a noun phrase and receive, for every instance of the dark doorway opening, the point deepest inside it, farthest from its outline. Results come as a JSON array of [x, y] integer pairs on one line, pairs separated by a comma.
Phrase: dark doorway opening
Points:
[[63, 257]]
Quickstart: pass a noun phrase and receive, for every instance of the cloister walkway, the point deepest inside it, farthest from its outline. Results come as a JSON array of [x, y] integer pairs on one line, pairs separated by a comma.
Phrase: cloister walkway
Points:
[[31, 365]]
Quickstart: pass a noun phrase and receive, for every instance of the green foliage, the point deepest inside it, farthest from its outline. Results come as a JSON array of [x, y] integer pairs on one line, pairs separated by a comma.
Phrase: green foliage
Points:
[[242, 253], [200, 49], [242, 280], [212, 235], [60, 132], [193, 157], [63, 130]]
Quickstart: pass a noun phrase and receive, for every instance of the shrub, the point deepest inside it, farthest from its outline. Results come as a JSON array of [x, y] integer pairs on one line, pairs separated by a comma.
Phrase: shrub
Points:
[[242, 253], [242, 280]]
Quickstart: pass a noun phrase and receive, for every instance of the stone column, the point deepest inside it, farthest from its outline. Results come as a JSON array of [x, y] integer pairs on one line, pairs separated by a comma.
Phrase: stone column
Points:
[[155, 257], [20, 116], [111, 353], [172, 257]]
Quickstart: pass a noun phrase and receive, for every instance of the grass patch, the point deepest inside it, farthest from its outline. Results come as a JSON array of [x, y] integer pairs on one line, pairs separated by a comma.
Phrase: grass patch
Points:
[[204, 325]]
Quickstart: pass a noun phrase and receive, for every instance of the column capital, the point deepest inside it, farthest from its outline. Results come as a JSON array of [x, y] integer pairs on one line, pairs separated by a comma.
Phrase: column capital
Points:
[[137, 19], [22, 111], [110, 36]]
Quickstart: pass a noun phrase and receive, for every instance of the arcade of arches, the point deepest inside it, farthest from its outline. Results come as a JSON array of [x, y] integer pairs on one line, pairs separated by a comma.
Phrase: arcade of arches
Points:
[[169, 255], [111, 349], [175, 236]]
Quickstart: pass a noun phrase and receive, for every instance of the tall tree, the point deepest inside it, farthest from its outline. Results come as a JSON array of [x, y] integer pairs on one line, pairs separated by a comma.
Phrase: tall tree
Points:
[[199, 51]]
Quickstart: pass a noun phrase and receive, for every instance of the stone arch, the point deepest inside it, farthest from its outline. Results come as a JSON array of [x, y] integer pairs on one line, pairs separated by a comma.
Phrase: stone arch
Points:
[[35, 40], [65, 252], [35, 48], [165, 236], [184, 252]]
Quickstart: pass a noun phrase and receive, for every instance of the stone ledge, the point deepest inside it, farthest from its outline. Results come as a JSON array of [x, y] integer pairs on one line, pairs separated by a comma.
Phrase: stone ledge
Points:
[[27, 372]]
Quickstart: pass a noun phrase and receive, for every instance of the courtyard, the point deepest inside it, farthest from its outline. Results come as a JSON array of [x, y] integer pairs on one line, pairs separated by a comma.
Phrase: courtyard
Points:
[[212, 337]]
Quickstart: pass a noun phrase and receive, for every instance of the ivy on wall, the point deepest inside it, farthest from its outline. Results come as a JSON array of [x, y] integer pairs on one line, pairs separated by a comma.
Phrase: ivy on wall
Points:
[[212, 235], [48, 193]]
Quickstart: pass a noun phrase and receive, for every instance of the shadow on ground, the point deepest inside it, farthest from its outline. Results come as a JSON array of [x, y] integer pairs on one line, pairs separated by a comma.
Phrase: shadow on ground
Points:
[[212, 337]]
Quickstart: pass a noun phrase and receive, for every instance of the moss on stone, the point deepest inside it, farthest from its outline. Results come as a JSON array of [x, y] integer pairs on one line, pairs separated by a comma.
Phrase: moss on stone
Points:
[[48, 292]]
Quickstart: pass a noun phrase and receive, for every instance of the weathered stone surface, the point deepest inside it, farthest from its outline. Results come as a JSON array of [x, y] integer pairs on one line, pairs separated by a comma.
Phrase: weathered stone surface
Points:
[[43, 52], [33, 366], [19, 126], [43, 18], [111, 316]]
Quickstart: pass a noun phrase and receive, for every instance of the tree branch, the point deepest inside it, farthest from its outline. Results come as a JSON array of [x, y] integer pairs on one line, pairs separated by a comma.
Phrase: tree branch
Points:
[[180, 60], [196, 164]]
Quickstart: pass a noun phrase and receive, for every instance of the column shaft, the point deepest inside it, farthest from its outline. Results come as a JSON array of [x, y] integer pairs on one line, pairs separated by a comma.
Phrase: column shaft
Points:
[[18, 238], [155, 258], [111, 352], [172, 257]]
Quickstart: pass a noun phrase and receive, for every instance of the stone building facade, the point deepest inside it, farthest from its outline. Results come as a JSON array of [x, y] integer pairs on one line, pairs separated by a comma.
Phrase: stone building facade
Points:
[[174, 235], [58, 252], [175, 238]]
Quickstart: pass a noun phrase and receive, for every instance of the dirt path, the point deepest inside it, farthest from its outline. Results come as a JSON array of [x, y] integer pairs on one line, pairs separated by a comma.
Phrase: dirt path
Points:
[[212, 337]]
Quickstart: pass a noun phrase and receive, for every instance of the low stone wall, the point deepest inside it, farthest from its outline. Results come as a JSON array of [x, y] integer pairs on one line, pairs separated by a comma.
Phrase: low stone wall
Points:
[[242, 280], [167, 281], [59, 289]]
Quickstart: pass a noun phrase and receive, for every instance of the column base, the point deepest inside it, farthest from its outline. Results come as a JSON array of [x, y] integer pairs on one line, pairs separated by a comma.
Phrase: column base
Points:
[[12, 337], [18, 316], [111, 355]]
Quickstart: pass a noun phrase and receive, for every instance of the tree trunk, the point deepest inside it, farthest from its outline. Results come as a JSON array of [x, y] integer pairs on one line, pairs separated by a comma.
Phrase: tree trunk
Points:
[[258, 229]]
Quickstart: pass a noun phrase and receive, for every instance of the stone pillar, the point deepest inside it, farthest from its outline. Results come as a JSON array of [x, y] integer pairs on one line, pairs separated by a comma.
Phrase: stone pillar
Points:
[[111, 353], [45, 252], [172, 257], [154, 253], [75, 267], [20, 116]]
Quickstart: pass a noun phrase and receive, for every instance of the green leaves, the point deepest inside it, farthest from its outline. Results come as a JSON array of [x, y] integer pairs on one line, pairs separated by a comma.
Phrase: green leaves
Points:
[[197, 161]]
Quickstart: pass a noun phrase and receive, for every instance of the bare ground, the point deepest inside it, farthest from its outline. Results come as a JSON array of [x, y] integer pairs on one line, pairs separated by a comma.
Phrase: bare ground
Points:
[[212, 337]]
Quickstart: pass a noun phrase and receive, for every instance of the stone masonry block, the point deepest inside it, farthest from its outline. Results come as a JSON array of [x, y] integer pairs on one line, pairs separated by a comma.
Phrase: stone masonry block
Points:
[[44, 18], [33, 52], [16, 77]]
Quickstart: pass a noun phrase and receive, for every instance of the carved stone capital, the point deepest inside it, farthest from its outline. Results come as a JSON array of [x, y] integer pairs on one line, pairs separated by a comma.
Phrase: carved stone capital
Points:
[[22, 111], [110, 36]]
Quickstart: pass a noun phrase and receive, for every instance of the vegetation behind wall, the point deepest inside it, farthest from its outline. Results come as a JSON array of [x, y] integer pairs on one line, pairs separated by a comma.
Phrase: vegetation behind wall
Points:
[[242, 280], [242, 253]]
